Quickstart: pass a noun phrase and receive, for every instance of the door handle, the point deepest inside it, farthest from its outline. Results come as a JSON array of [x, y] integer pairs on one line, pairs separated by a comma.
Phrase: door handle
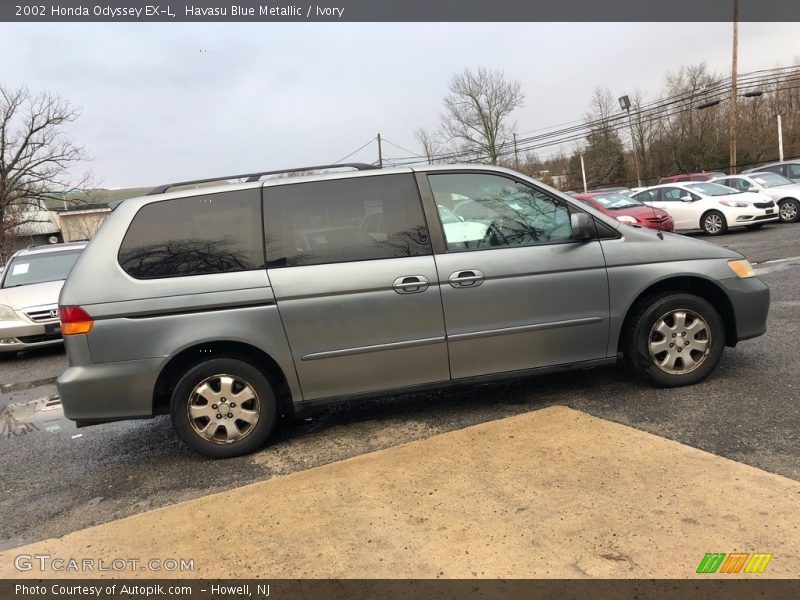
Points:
[[462, 279], [411, 284]]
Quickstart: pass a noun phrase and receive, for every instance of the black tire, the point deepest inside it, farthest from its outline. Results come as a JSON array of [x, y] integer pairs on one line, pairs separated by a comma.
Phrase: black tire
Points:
[[789, 210], [713, 223], [241, 372], [640, 332]]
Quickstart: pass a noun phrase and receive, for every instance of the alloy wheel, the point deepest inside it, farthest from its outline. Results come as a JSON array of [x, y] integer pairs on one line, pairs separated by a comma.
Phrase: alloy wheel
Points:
[[223, 409], [788, 211], [679, 342], [713, 223]]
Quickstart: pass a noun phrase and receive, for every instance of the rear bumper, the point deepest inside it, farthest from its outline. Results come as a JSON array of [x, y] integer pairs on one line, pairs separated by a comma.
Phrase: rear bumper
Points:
[[109, 391], [750, 300]]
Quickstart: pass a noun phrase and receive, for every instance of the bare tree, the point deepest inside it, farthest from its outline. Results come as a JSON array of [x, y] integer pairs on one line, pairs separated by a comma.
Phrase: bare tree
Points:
[[477, 110], [35, 155], [431, 145]]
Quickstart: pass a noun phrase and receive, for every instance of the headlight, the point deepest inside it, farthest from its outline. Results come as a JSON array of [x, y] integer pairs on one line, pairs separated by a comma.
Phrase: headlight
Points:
[[742, 268], [7, 313], [736, 203], [627, 219]]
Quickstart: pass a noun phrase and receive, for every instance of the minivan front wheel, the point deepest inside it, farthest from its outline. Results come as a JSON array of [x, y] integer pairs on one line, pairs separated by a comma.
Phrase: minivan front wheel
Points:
[[675, 339], [223, 407]]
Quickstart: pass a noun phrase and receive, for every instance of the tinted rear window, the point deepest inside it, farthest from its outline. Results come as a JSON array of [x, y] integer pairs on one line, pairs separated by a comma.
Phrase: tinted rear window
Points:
[[196, 235], [344, 220]]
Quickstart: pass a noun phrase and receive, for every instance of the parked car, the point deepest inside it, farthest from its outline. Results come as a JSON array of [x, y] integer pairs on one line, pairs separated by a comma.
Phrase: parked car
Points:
[[228, 324], [784, 192], [710, 207], [29, 288], [691, 177], [788, 168], [628, 210]]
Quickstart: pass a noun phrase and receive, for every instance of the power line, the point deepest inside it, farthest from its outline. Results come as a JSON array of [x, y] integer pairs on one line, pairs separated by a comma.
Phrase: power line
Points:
[[399, 147], [355, 151], [646, 113]]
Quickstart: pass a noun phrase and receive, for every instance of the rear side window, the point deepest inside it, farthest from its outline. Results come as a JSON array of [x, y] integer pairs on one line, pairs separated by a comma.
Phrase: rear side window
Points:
[[344, 220], [196, 235]]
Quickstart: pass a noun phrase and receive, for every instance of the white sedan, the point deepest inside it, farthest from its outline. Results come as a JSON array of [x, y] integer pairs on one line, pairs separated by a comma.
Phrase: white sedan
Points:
[[710, 207], [785, 192]]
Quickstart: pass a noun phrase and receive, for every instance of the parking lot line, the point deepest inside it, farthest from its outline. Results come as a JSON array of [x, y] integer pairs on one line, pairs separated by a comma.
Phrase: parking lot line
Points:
[[551, 493]]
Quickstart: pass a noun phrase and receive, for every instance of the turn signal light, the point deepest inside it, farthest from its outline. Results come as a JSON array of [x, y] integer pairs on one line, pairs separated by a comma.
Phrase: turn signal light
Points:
[[742, 268], [74, 320]]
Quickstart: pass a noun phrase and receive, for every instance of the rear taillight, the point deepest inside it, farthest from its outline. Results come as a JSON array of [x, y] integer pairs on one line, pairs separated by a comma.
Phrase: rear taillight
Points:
[[74, 320]]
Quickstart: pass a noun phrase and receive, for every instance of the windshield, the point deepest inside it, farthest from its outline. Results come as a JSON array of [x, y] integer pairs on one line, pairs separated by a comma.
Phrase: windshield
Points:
[[615, 201], [39, 268], [769, 180], [711, 189]]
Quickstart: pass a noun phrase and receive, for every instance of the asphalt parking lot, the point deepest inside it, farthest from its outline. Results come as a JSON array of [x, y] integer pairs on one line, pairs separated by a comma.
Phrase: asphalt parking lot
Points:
[[59, 479]]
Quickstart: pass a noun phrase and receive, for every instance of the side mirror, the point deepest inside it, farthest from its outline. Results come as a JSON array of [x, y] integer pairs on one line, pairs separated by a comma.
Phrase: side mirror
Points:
[[582, 226], [752, 188], [686, 198]]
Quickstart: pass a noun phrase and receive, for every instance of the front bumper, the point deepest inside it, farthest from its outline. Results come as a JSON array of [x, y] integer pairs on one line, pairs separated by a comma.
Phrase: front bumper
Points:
[[22, 335], [738, 216], [750, 301]]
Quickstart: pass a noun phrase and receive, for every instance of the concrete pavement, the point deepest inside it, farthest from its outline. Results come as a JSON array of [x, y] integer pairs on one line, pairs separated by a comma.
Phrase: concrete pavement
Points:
[[551, 493]]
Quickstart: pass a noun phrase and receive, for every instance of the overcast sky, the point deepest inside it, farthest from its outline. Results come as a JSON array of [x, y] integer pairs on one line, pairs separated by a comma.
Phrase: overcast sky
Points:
[[261, 96]]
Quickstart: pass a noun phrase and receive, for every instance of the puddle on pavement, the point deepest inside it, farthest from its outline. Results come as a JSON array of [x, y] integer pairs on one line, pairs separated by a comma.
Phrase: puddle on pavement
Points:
[[40, 415]]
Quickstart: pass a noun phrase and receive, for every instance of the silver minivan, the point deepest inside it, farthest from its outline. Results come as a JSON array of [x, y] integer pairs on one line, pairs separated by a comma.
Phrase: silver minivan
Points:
[[229, 306]]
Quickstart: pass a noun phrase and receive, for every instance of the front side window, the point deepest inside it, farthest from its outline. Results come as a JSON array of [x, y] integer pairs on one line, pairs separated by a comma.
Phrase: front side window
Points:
[[793, 171], [39, 268], [196, 235], [344, 220], [779, 169], [646, 196], [733, 183], [672, 194], [496, 211]]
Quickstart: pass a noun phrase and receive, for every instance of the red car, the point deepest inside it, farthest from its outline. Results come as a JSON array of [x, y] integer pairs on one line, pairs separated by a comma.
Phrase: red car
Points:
[[627, 210], [707, 176]]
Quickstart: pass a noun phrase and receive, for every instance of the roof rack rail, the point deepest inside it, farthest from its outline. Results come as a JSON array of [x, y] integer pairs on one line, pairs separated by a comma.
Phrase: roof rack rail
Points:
[[256, 176]]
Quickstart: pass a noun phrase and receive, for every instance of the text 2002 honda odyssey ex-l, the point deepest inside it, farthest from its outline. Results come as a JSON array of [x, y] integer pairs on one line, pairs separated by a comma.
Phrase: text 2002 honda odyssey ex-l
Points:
[[226, 306]]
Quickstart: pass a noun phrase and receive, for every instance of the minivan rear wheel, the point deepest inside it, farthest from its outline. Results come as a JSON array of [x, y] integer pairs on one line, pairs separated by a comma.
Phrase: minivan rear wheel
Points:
[[675, 339], [223, 407]]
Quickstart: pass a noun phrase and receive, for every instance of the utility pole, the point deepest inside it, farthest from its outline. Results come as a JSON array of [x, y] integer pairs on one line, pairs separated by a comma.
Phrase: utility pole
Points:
[[780, 139], [380, 152], [583, 173], [734, 67], [516, 154]]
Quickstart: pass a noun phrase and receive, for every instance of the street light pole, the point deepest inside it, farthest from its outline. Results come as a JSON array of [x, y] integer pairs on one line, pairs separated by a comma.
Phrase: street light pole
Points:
[[780, 139], [734, 66], [625, 103]]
